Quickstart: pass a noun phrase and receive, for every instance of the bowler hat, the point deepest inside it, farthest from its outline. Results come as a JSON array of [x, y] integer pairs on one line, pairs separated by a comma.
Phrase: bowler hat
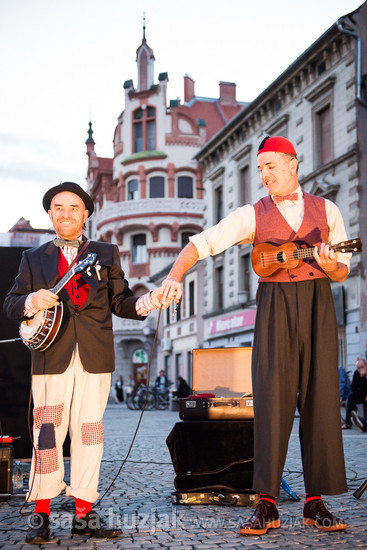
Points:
[[72, 188]]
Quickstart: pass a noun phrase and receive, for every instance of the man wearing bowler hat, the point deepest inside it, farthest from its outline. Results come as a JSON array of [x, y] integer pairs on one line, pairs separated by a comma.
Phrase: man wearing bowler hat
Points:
[[295, 349], [71, 379]]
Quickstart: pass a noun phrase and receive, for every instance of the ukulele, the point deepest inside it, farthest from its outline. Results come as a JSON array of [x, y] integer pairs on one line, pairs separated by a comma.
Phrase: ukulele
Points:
[[268, 258], [38, 332]]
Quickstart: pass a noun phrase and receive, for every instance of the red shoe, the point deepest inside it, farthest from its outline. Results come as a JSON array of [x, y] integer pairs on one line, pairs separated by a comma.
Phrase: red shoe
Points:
[[316, 514], [265, 517]]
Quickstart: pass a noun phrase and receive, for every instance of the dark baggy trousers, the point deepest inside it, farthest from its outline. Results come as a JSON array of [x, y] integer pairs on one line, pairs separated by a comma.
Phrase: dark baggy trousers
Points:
[[295, 363]]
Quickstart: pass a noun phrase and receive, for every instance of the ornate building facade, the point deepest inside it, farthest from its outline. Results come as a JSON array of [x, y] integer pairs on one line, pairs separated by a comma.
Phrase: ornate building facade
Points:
[[320, 104], [149, 195]]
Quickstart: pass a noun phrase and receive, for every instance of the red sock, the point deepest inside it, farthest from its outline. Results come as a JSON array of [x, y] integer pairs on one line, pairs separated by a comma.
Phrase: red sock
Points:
[[43, 506], [312, 497], [269, 498], [82, 507]]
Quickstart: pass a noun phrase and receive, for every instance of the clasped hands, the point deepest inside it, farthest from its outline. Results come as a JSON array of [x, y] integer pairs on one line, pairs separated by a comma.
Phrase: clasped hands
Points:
[[170, 291]]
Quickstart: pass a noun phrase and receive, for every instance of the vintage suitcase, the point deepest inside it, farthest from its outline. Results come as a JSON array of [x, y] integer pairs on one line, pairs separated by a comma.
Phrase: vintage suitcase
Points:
[[222, 385], [216, 408]]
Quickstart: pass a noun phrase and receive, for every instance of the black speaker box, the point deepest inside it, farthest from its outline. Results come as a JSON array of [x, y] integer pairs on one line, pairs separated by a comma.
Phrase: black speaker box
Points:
[[15, 363], [212, 455]]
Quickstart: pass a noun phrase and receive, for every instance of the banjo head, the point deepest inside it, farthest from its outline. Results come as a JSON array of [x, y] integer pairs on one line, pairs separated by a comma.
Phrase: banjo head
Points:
[[36, 331]]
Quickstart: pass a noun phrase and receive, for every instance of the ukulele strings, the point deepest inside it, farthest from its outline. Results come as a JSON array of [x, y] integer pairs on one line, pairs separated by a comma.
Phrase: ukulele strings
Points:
[[297, 254], [300, 253]]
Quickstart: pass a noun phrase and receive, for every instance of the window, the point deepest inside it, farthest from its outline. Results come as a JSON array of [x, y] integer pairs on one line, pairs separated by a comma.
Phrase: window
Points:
[[167, 365], [191, 298], [323, 130], [185, 237], [156, 187], [245, 273], [132, 190], [178, 360], [138, 131], [219, 287], [244, 181], [178, 310], [185, 187], [218, 204], [144, 129], [139, 249]]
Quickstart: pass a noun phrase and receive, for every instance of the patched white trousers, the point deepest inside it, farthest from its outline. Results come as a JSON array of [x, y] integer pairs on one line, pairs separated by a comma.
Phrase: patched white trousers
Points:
[[74, 400]]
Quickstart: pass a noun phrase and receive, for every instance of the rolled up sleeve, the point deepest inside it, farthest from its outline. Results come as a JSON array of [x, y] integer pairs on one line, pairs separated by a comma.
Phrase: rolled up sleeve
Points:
[[237, 227]]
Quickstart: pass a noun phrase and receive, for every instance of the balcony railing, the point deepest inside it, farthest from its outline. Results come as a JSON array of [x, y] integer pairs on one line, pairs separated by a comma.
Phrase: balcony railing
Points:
[[135, 208]]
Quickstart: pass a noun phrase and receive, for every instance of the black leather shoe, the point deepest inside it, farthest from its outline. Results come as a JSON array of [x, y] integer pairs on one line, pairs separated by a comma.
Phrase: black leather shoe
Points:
[[39, 531], [265, 517], [91, 524], [315, 513]]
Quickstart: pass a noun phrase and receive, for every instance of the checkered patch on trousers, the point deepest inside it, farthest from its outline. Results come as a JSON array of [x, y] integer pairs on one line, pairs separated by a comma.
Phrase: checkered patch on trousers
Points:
[[92, 433], [46, 461], [48, 414]]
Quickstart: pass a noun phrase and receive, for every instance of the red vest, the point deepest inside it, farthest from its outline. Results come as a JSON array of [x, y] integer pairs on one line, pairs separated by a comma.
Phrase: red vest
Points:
[[76, 287], [271, 227]]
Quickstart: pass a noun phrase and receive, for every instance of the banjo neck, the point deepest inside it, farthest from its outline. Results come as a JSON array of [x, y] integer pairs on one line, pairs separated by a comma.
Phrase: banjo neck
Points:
[[63, 281]]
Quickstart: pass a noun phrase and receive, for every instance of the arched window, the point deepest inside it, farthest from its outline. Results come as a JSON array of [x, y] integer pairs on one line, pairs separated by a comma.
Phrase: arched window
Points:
[[139, 249], [144, 129], [185, 187], [156, 187], [132, 190]]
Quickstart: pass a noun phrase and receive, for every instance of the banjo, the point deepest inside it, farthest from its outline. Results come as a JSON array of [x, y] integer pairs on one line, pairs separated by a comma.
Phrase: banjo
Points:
[[38, 332]]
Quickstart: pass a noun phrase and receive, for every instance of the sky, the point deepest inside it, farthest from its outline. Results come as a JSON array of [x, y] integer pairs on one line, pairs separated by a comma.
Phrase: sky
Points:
[[64, 63]]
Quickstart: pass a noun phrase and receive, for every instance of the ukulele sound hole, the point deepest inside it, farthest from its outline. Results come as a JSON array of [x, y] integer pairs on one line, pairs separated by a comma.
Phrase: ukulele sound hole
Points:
[[281, 257]]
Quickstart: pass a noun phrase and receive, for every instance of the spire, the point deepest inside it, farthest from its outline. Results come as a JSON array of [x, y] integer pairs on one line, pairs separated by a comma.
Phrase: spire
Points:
[[145, 61], [90, 134], [90, 143]]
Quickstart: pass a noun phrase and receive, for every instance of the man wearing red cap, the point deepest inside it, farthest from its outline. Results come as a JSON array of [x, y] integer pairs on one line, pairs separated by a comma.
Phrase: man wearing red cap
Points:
[[71, 379], [295, 349]]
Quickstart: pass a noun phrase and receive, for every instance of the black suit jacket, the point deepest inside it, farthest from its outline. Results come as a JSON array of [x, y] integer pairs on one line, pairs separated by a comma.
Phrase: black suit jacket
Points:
[[90, 325]]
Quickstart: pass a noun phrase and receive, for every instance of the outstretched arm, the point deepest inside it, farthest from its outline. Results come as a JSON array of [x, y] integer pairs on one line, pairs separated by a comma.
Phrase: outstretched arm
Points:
[[171, 287]]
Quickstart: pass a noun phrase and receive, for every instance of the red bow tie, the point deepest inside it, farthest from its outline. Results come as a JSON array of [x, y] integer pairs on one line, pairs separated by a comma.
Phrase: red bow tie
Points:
[[291, 197]]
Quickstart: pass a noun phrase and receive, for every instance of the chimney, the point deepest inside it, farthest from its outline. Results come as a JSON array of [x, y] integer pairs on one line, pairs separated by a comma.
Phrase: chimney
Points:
[[189, 88], [227, 92]]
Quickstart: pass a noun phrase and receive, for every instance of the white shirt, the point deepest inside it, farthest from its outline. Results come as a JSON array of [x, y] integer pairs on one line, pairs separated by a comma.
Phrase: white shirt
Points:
[[240, 226]]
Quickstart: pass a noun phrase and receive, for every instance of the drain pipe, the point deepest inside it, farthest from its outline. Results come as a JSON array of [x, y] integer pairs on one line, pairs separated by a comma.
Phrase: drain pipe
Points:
[[339, 24]]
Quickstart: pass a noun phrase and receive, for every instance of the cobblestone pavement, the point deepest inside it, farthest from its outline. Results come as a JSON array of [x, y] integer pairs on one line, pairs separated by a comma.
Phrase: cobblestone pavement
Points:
[[141, 500]]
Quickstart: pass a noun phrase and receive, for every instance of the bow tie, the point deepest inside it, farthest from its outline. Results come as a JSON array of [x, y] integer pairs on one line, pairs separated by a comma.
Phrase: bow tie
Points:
[[61, 242], [291, 197]]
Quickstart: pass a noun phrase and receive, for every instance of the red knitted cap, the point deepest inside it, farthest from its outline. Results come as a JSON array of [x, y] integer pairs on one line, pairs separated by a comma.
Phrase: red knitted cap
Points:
[[276, 144]]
